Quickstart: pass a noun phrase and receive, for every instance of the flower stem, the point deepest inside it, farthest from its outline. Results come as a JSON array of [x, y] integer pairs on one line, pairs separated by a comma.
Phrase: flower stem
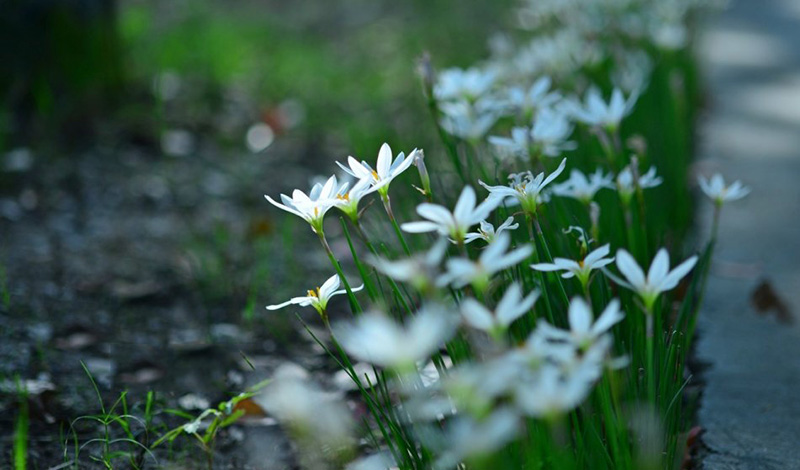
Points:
[[354, 305], [387, 204], [650, 365]]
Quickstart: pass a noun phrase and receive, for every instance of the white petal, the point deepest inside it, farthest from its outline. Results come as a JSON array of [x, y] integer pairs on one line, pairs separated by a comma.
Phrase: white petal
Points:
[[680, 271], [659, 268], [546, 267], [580, 315], [419, 227], [465, 205], [434, 212], [611, 316], [595, 255], [630, 269], [384, 161], [477, 315]]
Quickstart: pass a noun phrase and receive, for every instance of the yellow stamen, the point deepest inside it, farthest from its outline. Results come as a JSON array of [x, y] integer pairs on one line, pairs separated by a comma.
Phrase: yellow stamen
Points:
[[312, 293], [375, 175]]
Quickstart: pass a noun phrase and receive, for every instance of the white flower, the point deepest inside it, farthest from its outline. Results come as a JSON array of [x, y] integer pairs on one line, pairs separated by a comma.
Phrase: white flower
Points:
[[348, 198], [510, 307], [452, 224], [487, 232], [581, 269], [626, 186], [420, 269], [469, 121], [310, 412], [467, 438], [493, 259], [550, 132], [583, 333], [379, 340], [659, 277], [578, 186], [524, 188], [550, 392], [317, 298], [470, 84], [385, 170], [716, 190], [534, 98], [596, 112], [547, 136], [311, 207]]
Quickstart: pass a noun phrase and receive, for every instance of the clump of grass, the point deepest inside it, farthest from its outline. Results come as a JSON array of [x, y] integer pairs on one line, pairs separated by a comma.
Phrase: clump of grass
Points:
[[555, 336], [116, 420]]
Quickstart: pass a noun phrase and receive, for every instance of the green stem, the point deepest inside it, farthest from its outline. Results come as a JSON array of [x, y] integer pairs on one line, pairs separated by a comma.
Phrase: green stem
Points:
[[387, 204], [651, 366], [354, 305]]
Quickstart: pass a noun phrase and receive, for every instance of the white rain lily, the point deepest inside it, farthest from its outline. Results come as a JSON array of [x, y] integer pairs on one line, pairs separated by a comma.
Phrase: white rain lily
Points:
[[469, 121], [493, 259], [470, 84], [718, 192], [583, 332], [349, 198], [510, 307], [467, 438], [594, 111], [534, 98], [317, 418], [581, 269], [548, 136], [379, 340], [487, 232], [524, 188], [550, 132], [584, 188], [626, 186], [317, 298], [659, 277], [419, 270], [455, 225], [311, 207], [550, 392], [385, 169]]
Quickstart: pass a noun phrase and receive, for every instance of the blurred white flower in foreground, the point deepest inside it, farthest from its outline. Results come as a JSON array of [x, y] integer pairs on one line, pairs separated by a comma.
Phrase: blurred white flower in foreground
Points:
[[487, 232], [659, 277], [581, 269], [319, 422], [594, 111], [510, 307], [550, 391], [584, 333], [524, 188], [584, 188], [317, 298], [313, 206], [385, 169], [466, 438], [626, 186], [718, 192], [420, 270], [379, 340], [493, 259], [452, 224]]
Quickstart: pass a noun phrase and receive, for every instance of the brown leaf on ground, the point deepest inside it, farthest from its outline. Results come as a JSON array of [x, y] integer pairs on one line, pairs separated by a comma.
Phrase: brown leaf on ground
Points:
[[765, 300]]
